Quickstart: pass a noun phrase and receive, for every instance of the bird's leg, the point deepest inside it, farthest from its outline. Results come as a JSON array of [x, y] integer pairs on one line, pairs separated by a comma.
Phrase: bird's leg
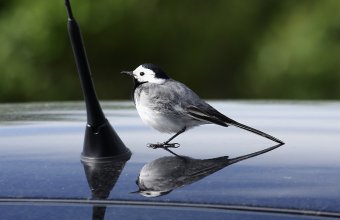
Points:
[[171, 152], [166, 144]]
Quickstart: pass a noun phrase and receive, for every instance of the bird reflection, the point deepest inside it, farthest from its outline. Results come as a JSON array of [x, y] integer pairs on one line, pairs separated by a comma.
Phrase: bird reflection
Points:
[[101, 177], [159, 177]]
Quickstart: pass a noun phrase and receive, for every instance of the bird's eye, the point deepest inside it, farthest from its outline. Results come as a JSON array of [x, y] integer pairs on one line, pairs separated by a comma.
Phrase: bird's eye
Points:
[[141, 73]]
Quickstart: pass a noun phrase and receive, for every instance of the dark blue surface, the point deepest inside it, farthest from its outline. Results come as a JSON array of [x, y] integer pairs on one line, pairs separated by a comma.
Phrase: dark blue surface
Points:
[[132, 212], [40, 156]]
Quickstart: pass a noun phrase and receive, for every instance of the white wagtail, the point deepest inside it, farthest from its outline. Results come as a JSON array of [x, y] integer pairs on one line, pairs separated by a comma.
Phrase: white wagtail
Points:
[[171, 107]]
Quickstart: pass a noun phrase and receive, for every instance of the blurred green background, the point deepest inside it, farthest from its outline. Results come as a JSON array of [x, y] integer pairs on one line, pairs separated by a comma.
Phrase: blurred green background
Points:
[[227, 49]]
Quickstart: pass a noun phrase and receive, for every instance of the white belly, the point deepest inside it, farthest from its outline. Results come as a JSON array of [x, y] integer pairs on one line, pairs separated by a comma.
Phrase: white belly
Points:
[[159, 121]]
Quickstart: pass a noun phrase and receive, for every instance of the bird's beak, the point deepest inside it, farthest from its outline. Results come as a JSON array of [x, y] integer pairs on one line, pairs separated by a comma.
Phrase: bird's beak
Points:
[[129, 73]]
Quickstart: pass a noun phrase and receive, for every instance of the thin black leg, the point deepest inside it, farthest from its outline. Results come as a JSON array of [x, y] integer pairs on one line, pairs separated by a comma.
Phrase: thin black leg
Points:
[[171, 152], [178, 133]]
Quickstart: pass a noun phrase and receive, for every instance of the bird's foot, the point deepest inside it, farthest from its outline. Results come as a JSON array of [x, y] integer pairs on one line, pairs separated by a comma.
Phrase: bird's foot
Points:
[[164, 145]]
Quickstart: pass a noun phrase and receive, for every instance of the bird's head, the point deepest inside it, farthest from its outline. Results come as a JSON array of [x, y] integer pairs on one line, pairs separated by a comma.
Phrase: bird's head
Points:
[[148, 73]]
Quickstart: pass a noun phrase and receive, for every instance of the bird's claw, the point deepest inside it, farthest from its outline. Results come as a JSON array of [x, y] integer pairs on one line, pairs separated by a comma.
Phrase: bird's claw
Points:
[[164, 145], [153, 146], [172, 145]]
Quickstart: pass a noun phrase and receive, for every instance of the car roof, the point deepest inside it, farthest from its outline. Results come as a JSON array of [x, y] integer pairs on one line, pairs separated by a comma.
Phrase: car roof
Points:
[[41, 145]]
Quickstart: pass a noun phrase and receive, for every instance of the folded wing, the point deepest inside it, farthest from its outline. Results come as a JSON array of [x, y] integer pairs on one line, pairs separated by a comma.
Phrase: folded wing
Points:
[[213, 116]]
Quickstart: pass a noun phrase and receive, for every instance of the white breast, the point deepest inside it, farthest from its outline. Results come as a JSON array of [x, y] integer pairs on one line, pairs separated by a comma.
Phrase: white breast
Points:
[[158, 120]]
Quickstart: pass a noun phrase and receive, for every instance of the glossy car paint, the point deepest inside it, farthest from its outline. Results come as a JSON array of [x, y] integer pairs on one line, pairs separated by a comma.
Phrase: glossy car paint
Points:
[[40, 144]]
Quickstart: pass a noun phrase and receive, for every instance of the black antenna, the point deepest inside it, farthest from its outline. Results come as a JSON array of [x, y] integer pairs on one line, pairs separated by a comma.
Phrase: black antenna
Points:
[[101, 140]]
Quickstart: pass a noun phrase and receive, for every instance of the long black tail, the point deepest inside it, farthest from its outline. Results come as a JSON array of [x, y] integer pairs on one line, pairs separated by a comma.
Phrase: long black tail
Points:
[[212, 115], [245, 127]]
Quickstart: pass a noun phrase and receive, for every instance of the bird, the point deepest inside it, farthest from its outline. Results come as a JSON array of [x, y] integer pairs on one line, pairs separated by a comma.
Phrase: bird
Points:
[[171, 107]]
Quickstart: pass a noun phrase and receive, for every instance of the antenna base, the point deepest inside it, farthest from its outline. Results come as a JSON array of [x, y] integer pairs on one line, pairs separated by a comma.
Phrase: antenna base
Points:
[[103, 144]]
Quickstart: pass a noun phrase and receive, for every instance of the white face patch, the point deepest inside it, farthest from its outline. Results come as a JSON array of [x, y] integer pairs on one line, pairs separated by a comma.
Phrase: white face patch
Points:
[[143, 74]]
